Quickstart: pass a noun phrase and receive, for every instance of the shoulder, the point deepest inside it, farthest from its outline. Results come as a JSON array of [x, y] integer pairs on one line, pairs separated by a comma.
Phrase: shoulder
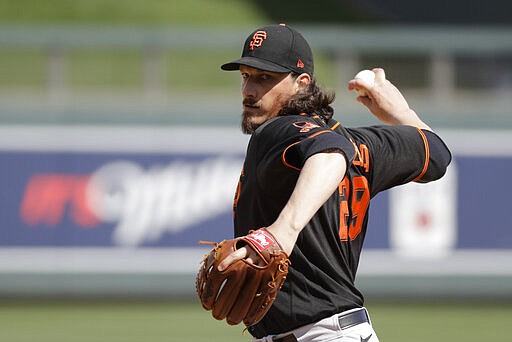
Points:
[[290, 124], [286, 129]]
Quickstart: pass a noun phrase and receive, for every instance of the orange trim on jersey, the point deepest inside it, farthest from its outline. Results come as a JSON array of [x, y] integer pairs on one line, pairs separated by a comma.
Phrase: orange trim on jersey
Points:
[[283, 159], [318, 133], [427, 155], [334, 126]]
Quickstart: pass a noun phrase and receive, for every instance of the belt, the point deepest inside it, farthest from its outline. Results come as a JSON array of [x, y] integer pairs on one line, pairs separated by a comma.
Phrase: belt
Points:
[[285, 338], [353, 318], [345, 321]]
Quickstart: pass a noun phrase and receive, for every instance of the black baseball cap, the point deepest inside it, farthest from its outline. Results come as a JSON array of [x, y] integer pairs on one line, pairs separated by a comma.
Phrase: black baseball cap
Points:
[[276, 48]]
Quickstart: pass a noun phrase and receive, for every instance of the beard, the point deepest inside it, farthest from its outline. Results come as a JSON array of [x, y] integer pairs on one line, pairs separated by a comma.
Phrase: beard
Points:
[[248, 122], [248, 127]]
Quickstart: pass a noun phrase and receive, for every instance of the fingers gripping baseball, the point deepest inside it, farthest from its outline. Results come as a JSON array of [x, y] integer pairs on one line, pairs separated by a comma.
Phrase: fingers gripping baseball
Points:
[[382, 98], [239, 279], [363, 81]]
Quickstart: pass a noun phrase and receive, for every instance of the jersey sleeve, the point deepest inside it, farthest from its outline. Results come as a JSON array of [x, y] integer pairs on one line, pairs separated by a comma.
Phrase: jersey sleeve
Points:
[[439, 158], [282, 145], [296, 138], [296, 154], [398, 155]]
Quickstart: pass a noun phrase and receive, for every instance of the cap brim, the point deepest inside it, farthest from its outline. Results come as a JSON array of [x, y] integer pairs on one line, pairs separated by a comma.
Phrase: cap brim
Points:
[[253, 62]]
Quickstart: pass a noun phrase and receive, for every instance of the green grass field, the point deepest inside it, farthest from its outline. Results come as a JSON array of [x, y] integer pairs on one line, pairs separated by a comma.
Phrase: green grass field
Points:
[[109, 69], [25, 68], [150, 12], [151, 321]]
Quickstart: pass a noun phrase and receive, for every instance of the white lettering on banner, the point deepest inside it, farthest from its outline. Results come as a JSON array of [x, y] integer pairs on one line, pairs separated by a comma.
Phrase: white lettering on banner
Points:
[[148, 203]]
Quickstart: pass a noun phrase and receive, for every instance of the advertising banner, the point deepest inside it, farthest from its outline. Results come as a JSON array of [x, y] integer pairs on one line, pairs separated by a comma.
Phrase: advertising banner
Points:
[[109, 190]]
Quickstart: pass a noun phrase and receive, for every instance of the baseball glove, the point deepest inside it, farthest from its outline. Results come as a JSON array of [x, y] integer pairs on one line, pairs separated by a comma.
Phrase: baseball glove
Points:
[[243, 291]]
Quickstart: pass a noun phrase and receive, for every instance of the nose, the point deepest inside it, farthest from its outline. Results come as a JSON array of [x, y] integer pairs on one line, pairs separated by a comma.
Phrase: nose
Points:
[[248, 88]]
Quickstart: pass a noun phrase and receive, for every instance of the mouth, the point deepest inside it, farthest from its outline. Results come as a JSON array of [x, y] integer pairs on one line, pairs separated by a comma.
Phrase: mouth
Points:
[[249, 103]]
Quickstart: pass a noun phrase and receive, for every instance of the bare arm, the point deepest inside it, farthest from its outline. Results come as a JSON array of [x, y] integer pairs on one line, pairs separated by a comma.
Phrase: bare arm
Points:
[[386, 102], [309, 194]]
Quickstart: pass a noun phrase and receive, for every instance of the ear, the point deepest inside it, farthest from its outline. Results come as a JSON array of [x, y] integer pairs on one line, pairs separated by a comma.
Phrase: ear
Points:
[[301, 82]]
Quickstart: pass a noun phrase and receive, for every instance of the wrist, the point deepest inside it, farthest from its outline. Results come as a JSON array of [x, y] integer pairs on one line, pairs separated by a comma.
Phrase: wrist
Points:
[[411, 118], [262, 239], [286, 240]]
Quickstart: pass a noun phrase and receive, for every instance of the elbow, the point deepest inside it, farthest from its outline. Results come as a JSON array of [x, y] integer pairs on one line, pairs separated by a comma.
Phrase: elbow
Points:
[[440, 158], [437, 167]]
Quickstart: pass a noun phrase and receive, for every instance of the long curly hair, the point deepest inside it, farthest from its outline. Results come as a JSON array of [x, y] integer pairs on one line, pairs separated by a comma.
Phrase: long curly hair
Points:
[[312, 101]]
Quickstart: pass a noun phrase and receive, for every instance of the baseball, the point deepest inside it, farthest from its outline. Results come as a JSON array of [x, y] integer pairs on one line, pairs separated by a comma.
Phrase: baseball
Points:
[[368, 77]]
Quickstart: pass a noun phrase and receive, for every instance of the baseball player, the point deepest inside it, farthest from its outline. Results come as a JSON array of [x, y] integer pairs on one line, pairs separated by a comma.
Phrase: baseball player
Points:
[[309, 181]]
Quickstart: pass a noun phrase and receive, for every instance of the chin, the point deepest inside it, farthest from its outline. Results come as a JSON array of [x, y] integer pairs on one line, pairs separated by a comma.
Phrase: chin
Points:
[[249, 124], [249, 127]]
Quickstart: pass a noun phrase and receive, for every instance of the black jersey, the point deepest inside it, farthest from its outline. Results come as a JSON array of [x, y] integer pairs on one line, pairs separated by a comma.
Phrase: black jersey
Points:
[[325, 257]]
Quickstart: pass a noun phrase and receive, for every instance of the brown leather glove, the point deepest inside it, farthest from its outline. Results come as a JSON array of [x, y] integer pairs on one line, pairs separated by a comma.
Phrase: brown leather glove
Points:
[[243, 291]]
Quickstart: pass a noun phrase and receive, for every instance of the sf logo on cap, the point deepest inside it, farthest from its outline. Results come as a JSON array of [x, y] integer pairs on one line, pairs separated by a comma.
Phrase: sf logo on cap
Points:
[[257, 39]]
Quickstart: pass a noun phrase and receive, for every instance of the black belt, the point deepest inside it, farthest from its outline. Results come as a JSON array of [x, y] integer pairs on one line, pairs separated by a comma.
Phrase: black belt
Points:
[[346, 321], [353, 318], [285, 338]]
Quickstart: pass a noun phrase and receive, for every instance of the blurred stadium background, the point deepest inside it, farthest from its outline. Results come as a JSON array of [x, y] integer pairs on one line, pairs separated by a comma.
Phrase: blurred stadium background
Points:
[[120, 149]]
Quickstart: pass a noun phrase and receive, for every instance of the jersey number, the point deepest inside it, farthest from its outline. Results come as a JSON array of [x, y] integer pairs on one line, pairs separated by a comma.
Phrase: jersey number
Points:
[[352, 218]]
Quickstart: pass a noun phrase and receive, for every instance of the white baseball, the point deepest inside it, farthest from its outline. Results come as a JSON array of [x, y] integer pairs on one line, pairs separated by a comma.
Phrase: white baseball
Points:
[[368, 77]]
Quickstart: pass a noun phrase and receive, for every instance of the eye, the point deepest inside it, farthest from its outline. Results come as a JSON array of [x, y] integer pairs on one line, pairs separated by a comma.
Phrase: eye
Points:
[[266, 77], [244, 75]]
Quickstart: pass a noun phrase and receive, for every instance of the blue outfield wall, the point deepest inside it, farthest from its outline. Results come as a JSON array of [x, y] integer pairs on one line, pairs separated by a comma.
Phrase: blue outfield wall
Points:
[[44, 202], [103, 202]]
